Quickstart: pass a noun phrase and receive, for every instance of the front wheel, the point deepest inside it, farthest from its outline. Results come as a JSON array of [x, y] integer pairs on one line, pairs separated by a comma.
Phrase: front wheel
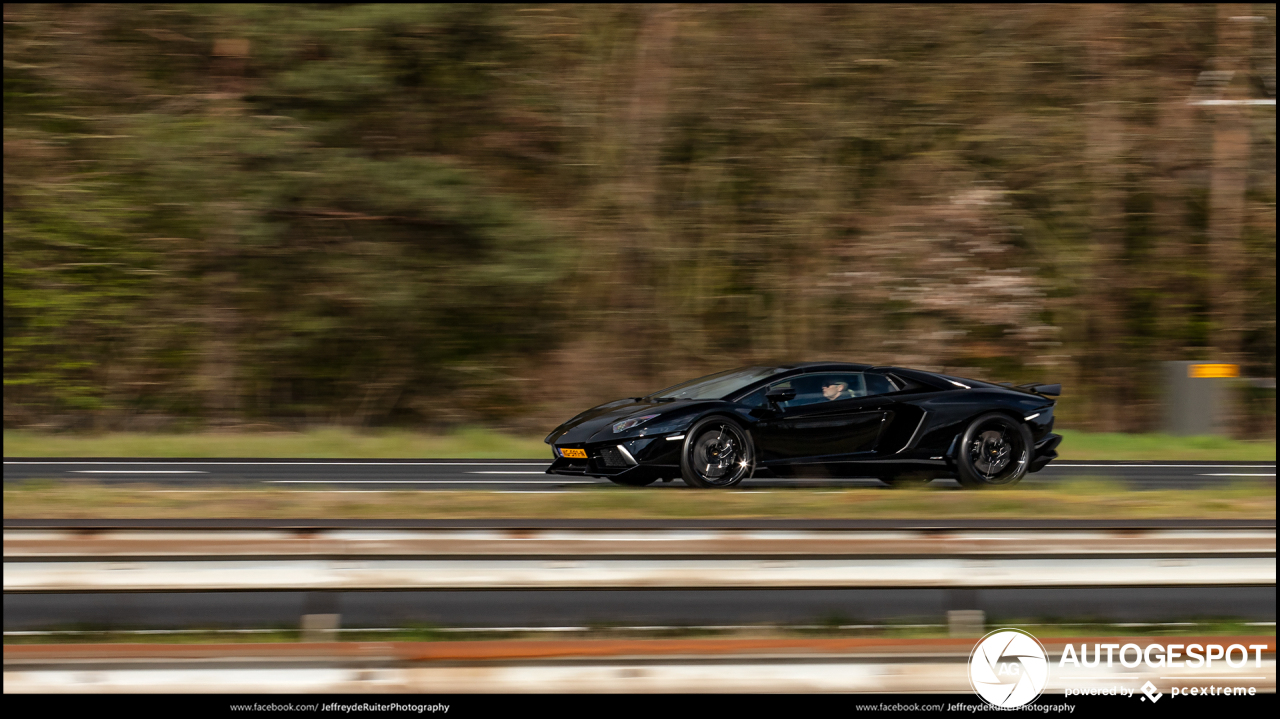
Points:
[[717, 453], [994, 452]]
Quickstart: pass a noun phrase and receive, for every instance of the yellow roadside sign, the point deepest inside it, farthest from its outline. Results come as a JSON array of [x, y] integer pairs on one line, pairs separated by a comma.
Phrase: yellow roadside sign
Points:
[[1208, 371]]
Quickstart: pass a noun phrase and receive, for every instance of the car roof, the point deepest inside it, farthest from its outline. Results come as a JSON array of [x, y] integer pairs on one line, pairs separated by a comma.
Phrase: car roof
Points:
[[834, 366], [936, 380], [947, 381]]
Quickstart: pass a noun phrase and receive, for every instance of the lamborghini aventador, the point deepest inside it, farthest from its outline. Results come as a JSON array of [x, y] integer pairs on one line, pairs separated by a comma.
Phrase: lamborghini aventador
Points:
[[820, 419]]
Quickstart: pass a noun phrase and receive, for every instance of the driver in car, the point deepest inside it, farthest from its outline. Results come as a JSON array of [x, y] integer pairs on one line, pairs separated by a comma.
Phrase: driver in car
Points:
[[836, 389]]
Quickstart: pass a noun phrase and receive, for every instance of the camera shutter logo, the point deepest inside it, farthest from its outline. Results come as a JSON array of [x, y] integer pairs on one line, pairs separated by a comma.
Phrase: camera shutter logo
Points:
[[1008, 668]]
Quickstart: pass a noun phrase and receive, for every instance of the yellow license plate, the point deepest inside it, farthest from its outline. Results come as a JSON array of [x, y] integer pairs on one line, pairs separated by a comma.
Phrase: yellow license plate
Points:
[[573, 453]]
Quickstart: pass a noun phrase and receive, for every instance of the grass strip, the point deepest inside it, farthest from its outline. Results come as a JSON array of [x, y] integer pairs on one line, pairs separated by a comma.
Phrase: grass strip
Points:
[[321, 443], [1077, 499], [1162, 447]]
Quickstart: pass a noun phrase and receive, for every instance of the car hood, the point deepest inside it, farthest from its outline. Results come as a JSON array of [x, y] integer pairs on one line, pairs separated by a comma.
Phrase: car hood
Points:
[[598, 420]]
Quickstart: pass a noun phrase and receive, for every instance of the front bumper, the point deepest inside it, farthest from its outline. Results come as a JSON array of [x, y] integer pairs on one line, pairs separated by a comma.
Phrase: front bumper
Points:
[[636, 456]]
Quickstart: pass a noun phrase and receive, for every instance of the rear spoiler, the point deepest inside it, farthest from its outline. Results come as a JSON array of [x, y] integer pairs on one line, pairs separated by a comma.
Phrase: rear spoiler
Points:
[[1047, 390]]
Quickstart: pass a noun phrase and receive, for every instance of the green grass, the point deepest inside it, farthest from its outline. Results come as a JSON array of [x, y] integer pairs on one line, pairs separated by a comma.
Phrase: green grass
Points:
[[469, 443], [476, 443], [1084, 499], [1140, 447]]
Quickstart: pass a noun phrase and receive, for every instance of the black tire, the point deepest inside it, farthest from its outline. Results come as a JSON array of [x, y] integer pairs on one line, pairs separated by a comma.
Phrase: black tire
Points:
[[995, 451], [633, 481], [717, 454]]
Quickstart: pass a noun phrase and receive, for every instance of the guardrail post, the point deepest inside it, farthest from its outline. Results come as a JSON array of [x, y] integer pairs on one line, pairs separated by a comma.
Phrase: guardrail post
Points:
[[320, 617], [966, 622], [964, 619]]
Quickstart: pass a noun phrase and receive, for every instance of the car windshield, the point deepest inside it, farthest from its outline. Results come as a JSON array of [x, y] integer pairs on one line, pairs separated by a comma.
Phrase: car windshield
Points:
[[718, 385]]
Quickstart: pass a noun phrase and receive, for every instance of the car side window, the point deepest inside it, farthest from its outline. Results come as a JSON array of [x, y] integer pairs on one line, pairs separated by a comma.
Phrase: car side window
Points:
[[756, 399], [808, 390], [824, 387], [879, 384]]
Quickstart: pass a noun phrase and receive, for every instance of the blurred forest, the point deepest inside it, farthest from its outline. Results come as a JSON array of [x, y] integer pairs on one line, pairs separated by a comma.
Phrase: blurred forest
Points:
[[430, 215]]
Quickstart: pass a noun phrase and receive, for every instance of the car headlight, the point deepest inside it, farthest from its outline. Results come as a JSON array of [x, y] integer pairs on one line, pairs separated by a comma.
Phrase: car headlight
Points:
[[627, 424], [670, 425]]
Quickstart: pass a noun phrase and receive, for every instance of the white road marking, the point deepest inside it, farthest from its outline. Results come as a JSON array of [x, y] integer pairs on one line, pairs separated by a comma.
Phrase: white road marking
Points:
[[542, 490], [312, 464], [1193, 466], [496, 472], [364, 491], [138, 471], [537, 464], [304, 491], [1237, 475], [424, 481]]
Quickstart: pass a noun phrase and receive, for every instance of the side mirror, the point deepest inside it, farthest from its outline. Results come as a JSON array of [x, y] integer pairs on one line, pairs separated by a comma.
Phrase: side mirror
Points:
[[776, 396]]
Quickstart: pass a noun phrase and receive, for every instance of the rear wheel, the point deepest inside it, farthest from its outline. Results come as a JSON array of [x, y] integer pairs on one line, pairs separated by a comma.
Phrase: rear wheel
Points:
[[717, 454], [994, 452]]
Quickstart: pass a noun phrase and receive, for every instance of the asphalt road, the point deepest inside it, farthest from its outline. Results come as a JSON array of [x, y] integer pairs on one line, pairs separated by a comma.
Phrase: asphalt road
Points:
[[582, 608], [529, 475]]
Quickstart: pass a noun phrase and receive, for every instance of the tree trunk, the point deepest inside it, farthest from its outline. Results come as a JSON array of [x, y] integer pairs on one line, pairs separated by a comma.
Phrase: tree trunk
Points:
[[1105, 152], [1227, 186]]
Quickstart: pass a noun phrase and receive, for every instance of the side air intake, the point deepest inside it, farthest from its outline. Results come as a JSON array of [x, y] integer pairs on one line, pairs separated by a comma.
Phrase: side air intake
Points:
[[1049, 390]]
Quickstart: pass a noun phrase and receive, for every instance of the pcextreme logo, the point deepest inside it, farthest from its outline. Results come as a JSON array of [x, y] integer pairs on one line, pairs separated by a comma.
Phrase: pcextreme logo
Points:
[[1008, 668]]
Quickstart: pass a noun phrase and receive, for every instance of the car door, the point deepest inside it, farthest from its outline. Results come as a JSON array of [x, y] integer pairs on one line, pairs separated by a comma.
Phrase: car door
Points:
[[813, 428]]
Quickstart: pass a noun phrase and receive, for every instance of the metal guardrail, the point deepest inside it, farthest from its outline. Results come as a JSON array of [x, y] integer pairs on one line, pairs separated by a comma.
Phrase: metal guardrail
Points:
[[346, 575], [334, 560], [340, 560], [35, 544]]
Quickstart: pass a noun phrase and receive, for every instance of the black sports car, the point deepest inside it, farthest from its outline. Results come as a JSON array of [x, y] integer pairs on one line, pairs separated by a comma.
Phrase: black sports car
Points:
[[829, 419]]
